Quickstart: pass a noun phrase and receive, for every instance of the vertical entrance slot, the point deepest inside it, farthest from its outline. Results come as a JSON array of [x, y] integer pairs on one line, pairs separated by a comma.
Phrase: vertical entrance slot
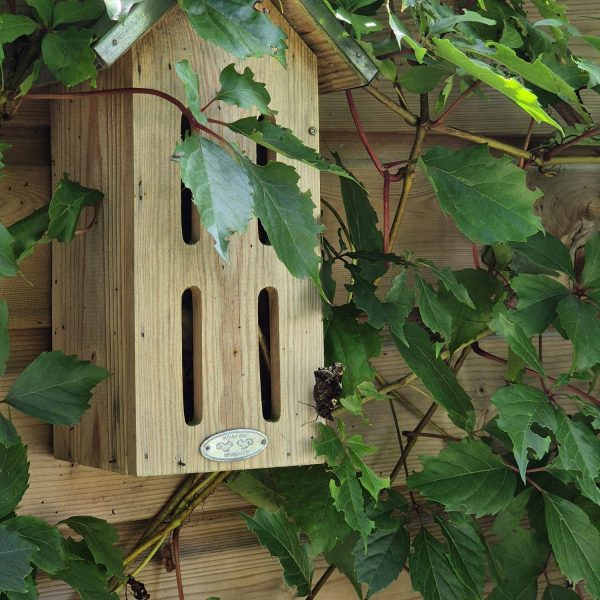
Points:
[[190, 219], [268, 354], [191, 355], [263, 156]]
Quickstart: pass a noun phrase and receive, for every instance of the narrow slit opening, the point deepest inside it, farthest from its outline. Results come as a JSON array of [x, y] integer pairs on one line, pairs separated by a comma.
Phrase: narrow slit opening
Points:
[[268, 354], [190, 219], [263, 156], [191, 355]]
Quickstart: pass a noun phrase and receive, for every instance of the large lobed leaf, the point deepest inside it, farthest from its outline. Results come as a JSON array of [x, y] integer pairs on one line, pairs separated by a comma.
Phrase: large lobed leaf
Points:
[[466, 477], [241, 90], [487, 198], [69, 57], [55, 388], [280, 537], [237, 27]]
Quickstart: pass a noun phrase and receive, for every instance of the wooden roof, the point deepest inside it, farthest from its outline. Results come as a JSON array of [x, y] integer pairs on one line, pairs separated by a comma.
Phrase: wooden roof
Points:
[[341, 61]]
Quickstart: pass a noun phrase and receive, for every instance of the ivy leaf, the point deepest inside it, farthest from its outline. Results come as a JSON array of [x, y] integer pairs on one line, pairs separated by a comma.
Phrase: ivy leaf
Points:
[[448, 279], [466, 477], [591, 268], [280, 537], [68, 200], [8, 434], [538, 298], [220, 187], [283, 141], [287, 215], [8, 263], [544, 250], [378, 312], [516, 338], [487, 198], [575, 542], [76, 11], [191, 86], [430, 570], [4, 338], [382, 563], [353, 344], [580, 322], [520, 407], [466, 555], [556, 592], [436, 376], [15, 557], [537, 73], [28, 232], [237, 27], [83, 575], [579, 453], [69, 57], [14, 476], [511, 88], [432, 310], [241, 90], [46, 542], [100, 537], [55, 388]]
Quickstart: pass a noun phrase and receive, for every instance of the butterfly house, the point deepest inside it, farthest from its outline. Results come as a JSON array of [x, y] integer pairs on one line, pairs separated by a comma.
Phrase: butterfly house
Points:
[[212, 362]]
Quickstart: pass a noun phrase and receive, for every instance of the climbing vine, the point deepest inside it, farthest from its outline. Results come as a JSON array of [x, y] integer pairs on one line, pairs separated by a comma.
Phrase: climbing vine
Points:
[[530, 466]]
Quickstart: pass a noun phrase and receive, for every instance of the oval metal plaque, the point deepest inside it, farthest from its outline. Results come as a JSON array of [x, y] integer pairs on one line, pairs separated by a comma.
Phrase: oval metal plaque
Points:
[[234, 444]]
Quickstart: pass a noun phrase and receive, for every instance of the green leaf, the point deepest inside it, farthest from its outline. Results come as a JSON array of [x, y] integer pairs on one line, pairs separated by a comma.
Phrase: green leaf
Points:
[[430, 570], [280, 537], [8, 434], [591, 268], [3, 145], [31, 592], [191, 86], [28, 232], [544, 250], [4, 338], [220, 187], [538, 300], [444, 25], [237, 27], [13, 27], [287, 215], [380, 313], [466, 477], [516, 338], [68, 200], [511, 88], [15, 556], [487, 197], [241, 90], [537, 73], [556, 592], [118, 9], [76, 11], [580, 321], [14, 476], [382, 563], [510, 518], [341, 556], [100, 537], [85, 577], [55, 388], [46, 541], [592, 70], [575, 542], [421, 79], [520, 407], [448, 279], [43, 8], [579, 453], [466, 555], [353, 344], [8, 263], [69, 57], [436, 376], [402, 34], [432, 310], [283, 141]]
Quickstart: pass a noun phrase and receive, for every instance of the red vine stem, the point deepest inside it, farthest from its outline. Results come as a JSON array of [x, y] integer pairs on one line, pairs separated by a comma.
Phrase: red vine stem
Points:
[[523, 164], [475, 254], [437, 436], [440, 120], [362, 133], [485, 354], [386, 211], [322, 581], [558, 149]]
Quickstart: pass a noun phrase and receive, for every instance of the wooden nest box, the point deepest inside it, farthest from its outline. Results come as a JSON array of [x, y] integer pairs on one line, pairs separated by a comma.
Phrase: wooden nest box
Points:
[[196, 347]]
